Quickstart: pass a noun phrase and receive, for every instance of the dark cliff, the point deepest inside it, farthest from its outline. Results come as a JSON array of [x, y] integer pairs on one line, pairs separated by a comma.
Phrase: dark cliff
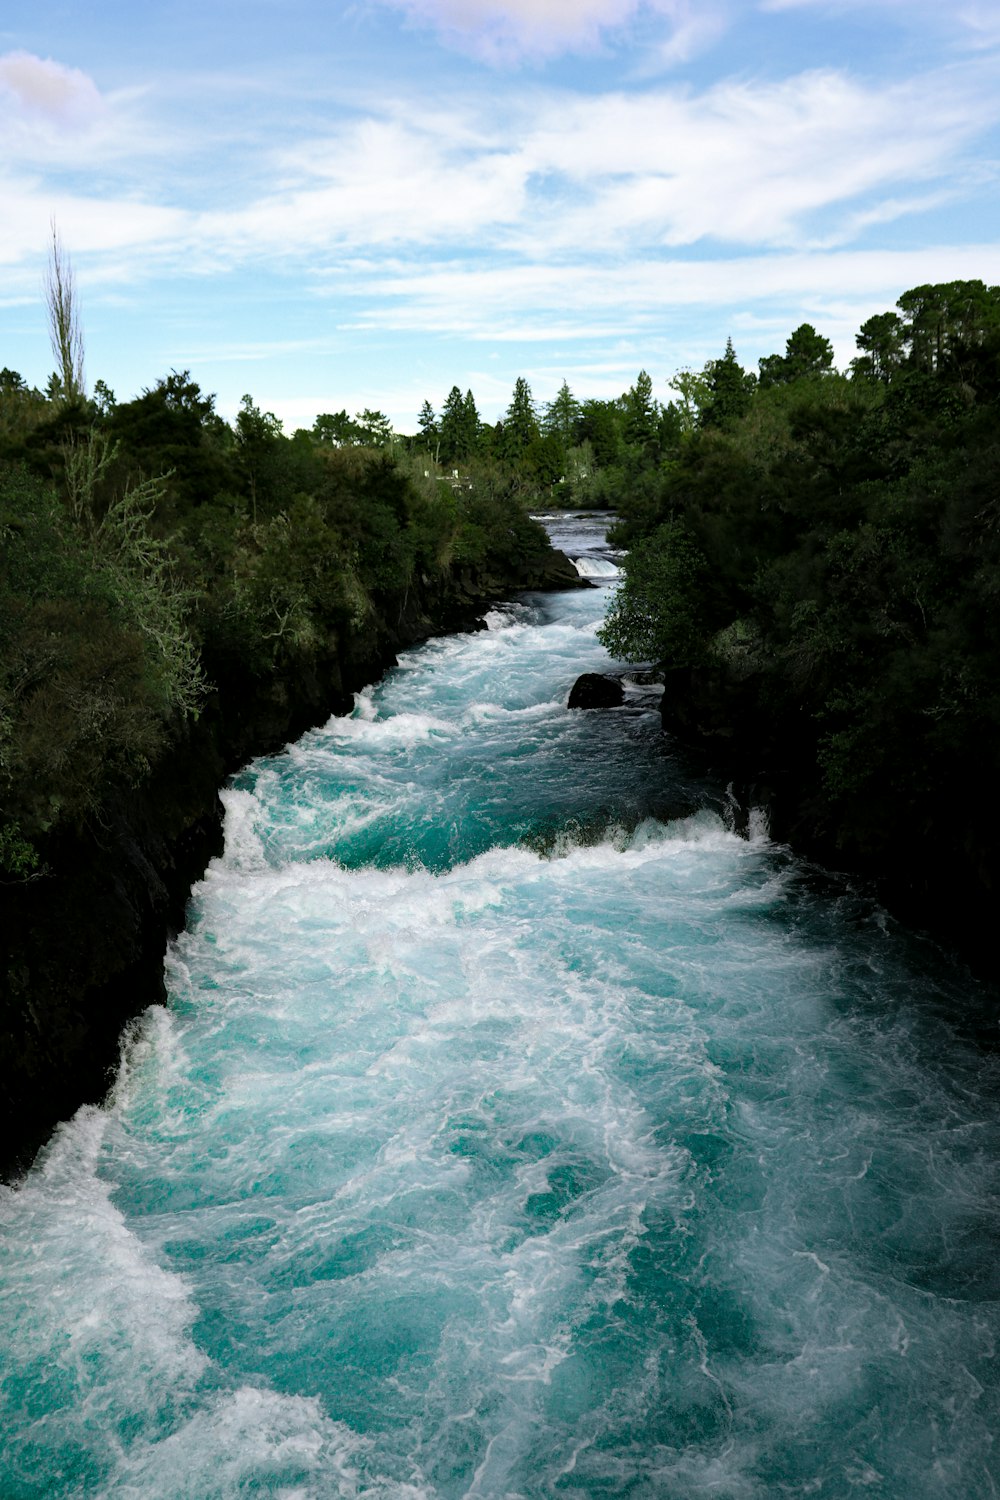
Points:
[[931, 861]]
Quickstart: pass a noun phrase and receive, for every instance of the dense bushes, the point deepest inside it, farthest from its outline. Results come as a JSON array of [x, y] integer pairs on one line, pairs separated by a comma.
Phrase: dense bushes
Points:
[[152, 558], [842, 623]]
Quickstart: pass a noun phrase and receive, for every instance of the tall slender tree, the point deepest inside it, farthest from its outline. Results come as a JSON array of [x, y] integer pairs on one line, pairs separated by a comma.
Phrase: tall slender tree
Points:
[[562, 417], [641, 412], [65, 331], [430, 433], [520, 424], [730, 390]]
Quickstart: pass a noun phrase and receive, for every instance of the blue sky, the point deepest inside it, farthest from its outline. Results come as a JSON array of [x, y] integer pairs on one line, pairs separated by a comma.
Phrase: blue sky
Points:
[[347, 205]]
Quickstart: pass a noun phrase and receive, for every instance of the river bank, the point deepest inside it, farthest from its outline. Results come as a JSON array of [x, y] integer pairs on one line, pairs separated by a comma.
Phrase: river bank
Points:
[[83, 943]]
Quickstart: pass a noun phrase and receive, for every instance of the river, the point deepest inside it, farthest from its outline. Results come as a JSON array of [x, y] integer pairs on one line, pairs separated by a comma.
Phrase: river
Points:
[[516, 1129]]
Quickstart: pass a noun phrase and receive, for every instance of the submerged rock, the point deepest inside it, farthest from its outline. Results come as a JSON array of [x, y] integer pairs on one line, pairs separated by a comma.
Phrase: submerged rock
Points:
[[594, 690]]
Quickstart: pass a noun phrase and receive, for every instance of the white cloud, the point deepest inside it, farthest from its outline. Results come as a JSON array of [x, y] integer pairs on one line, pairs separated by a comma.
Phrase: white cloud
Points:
[[810, 161], [90, 226], [380, 181], [739, 163], [487, 304], [41, 88], [506, 30], [533, 175]]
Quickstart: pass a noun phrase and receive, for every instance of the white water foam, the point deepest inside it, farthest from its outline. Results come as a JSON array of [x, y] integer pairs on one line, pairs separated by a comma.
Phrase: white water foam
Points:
[[597, 568], [625, 1169]]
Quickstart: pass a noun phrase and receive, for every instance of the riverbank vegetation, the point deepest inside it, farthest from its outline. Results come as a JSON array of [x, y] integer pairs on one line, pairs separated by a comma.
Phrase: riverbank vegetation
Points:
[[813, 558], [178, 594], [155, 557], [817, 566]]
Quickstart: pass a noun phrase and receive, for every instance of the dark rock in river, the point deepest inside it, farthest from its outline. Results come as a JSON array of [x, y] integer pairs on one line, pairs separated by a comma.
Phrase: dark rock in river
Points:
[[594, 690]]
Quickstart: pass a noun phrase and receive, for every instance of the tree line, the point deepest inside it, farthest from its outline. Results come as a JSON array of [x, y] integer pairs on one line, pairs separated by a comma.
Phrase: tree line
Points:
[[817, 567], [155, 559]]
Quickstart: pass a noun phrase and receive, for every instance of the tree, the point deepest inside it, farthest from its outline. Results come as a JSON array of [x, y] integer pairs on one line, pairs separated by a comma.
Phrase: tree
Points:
[[730, 388], [257, 433], [600, 425], [429, 431], [65, 332], [562, 417], [375, 428], [473, 424], [695, 391], [806, 353], [881, 341], [336, 429], [104, 399], [945, 321], [656, 614], [174, 429], [460, 427], [520, 426], [641, 412]]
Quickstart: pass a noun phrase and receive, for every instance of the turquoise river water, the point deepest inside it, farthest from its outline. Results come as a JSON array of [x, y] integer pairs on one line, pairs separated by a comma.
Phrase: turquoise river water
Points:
[[515, 1129]]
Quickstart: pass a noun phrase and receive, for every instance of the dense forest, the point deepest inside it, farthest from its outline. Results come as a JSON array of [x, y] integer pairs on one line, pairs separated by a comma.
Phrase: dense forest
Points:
[[816, 564], [154, 557]]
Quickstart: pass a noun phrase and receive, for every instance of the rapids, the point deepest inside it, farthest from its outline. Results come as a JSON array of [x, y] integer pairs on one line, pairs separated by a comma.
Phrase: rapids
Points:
[[515, 1129]]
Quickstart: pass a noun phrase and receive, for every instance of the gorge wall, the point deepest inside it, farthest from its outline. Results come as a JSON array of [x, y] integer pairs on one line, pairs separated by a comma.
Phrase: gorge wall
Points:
[[82, 945]]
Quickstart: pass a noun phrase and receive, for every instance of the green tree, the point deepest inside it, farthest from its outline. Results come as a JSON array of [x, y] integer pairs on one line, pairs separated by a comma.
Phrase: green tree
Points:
[[601, 427], [257, 436], [430, 433], [694, 389], [520, 423], [806, 353], [730, 388], [103, 399], [374, 427], [944, 322], [881, 340], [641, 413], [454, 428], [655, 614], [562, 417], [473, 425]]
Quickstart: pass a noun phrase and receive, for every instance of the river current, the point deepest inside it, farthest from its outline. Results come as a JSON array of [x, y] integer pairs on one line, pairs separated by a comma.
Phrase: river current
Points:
[[515, 1129]]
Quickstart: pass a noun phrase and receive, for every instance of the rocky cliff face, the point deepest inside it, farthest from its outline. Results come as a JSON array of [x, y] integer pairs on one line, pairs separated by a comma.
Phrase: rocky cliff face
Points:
[[936, 871], [81, 950]]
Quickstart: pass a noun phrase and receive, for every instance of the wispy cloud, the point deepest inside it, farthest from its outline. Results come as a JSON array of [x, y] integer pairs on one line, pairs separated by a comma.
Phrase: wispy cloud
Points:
[[280, 213], [506, 31], [974, 24], [810, 161], [485, 303]]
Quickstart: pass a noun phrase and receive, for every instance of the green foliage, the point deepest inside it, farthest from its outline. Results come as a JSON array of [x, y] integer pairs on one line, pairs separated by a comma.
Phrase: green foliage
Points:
[[18, 858], [730, 389], [656, 613], [845, 539], [173, 430], [520, 423], [460, 427], [807, 353], [562, 417], [82, 700]]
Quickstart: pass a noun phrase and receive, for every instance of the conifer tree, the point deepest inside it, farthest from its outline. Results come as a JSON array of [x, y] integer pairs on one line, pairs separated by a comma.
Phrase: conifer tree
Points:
[[520, 426]]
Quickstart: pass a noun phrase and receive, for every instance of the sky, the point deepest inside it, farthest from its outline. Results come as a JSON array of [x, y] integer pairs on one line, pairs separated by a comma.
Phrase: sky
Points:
[[337, 206]]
